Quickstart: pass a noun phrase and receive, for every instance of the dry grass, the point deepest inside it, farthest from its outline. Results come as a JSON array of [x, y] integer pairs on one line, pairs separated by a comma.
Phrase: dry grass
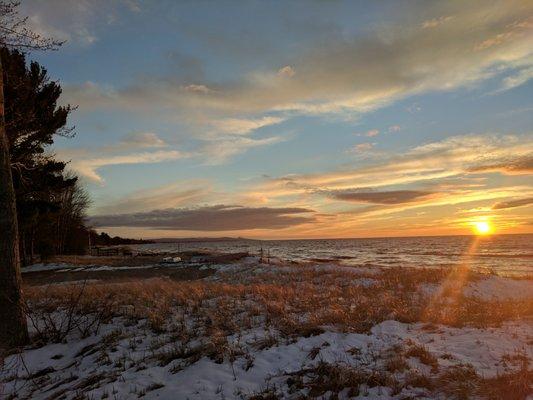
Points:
[[326, 378], [424, 356], [193, 319], [295, 303], [460, 382]]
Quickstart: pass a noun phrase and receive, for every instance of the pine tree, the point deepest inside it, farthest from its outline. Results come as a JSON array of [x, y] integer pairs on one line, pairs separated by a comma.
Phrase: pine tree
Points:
[[13, 327], [33, 119]]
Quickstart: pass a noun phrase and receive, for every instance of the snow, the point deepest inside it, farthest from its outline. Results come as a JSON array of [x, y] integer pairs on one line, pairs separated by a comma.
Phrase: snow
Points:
[[47, 267], [491, 287], [205, 379], [129, 366], [483, 348], [358, 270], [93, 268], [499, 287]]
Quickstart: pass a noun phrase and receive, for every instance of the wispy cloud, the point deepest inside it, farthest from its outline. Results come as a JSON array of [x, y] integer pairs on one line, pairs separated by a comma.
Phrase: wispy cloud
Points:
[[223, 112], [350, 74], [218, 151], [137, 140], [361, 148], [394, 128], [89, 161], [172, 195], [134, 148], [243, 126], [77, 22], [435, 22], [433, 162], [520, 164], [513, 203], [286, 72], [369, 133], [364, 195], [518, 78], [90, 164]]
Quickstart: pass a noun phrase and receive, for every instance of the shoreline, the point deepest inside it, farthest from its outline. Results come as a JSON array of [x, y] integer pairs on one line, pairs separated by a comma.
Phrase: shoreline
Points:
[[252, 330], [151, 263]]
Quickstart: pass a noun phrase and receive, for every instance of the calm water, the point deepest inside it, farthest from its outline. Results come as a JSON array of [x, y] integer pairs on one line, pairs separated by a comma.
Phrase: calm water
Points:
[[505, 254]]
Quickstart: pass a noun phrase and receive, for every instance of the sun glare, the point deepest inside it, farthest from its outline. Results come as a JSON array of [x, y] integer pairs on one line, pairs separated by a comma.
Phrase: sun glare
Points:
[[482, 228]]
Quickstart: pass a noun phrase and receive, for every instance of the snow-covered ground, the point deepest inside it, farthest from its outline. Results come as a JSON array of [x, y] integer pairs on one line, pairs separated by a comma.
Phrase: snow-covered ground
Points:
[[128, 358], [126, 372], [500, 287]]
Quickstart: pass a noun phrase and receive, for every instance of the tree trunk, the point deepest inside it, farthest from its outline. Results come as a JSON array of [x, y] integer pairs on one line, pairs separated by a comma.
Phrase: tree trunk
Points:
[[13, 327]]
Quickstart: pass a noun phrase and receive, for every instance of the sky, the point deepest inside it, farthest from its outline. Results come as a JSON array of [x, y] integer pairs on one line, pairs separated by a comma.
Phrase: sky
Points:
[[296, 119]]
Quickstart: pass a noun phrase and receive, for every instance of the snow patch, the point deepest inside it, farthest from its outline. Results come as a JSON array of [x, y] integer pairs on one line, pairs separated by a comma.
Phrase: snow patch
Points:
[[501, 288]]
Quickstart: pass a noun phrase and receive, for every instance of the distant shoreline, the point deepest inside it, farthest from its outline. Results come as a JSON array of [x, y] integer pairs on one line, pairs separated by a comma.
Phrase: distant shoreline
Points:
[[200, 239], [233, 239]]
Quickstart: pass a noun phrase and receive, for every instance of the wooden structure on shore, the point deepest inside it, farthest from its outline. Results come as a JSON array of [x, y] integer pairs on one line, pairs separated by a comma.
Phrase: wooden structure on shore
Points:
[[110, 251]]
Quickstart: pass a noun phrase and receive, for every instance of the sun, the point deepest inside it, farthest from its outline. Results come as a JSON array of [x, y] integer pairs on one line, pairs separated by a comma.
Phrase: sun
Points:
[[482, 228]]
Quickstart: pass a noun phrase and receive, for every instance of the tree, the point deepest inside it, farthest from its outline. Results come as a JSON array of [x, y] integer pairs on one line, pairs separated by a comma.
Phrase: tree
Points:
[[32, 119], [13, 328], [71, 234]]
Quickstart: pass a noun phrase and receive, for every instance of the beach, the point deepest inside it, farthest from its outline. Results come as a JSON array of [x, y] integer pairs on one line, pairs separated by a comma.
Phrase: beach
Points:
[[266, 200], [236, 326]]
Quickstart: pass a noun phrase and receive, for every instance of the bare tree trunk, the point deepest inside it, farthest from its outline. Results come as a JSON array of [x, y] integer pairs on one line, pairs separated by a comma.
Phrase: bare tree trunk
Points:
[[13, 327]]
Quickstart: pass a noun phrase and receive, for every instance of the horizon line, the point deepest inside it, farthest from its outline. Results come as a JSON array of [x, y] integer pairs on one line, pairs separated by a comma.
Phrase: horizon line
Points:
[[173, 239]]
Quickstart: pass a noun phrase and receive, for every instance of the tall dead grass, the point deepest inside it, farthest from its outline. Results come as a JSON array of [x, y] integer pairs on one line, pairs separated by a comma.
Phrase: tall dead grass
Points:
[[195, 319], [294, 302]]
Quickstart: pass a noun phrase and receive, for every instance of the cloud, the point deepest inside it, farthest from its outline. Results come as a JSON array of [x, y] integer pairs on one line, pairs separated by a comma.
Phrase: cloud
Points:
[[517, 79], [77, 22], [382, 197], [241, 126], [362, 147], [512, 165], [434, 22], [369, 133], [211, 218], [351, 74], [513, 203], [414, 108], [88, 161], [89, 165], [515, 28], [394, 128], [286, 72], [176, 194], [197, 88], [456, 156], [142, 140], [218, 151]]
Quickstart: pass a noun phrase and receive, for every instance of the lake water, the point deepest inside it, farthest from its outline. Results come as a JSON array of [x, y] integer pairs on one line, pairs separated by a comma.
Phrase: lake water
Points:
[[505, 254]]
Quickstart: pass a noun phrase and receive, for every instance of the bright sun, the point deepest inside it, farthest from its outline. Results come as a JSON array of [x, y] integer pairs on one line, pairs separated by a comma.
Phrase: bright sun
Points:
[[482, 228]]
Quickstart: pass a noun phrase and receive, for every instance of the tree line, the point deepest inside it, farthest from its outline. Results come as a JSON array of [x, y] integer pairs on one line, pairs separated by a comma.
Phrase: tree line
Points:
[[42, 203], [50, 202]]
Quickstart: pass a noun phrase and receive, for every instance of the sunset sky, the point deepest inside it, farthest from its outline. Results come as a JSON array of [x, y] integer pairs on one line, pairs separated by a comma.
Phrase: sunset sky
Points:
[[297, 119]]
